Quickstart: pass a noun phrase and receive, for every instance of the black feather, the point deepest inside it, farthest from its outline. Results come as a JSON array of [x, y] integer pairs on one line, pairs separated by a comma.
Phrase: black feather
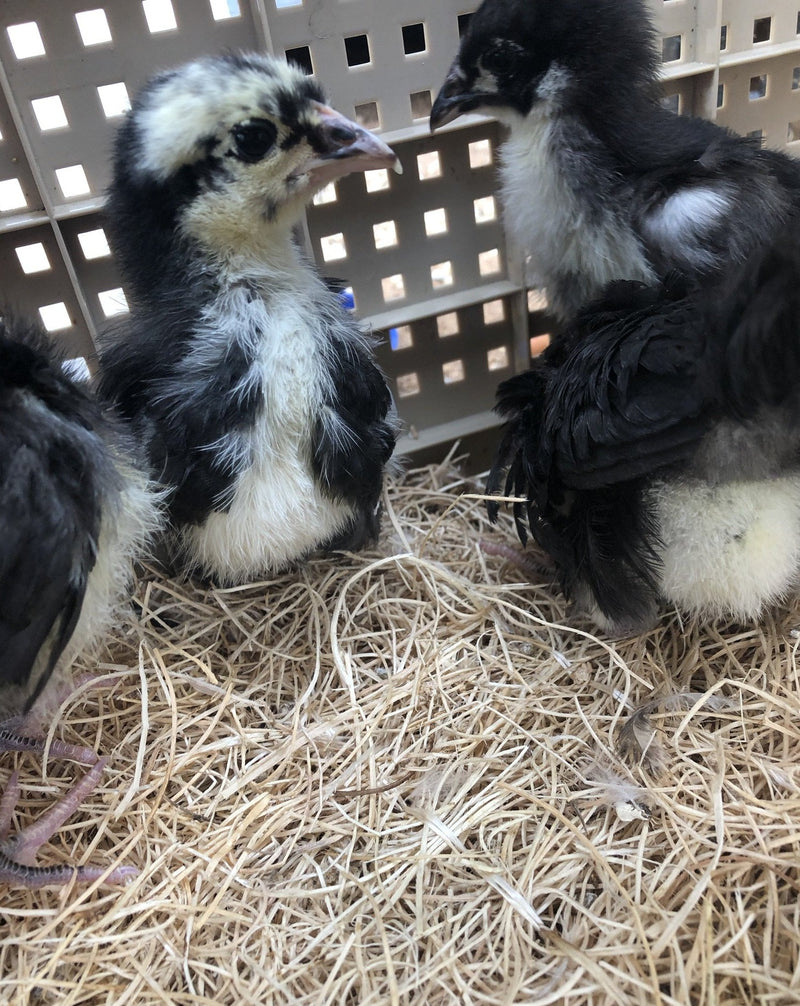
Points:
[[240, 371], [584, 77], [630, 394], [52, 472]]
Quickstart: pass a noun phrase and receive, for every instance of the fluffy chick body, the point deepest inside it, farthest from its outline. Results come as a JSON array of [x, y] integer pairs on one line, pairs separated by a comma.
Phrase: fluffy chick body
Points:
[[278, 510], [599, 182], [657, 444], [75, 512], [255, 393]]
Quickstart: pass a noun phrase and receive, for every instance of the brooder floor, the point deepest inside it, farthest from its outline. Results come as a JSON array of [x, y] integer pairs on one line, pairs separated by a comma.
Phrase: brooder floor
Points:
[[399, 777]]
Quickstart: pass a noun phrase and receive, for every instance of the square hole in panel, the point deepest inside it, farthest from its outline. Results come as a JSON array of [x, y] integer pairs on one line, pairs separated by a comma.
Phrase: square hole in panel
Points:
[[356, 48], [376, 179], [414, 38], [494, 311], [441, 275], [672, 103], [25, 39], [538, 344], [223, 10], [671, 48], [347, 298], [756, 134], [401, 337], [537, 300], [796, 78], [159, 15], [326, 195], [93, 26], [55, 317], [113, 302], [333, 247], [393, 287], [463, 23], [300, 57], [288, 3], [11, 195], [797, 26], [429, 165], [497, 358], [72, 181], [49, 113], [94, 244], [720, 95], [435, 222], [485, 209], [489, 262], [77, 369], [762, 29], [368, 115], [114, 98], [421, 104], [33, 258], [385, 234], [480, 153], [723, 37], [447, 324], [453, 371], [758, 87], [793, 132], [407, 385]]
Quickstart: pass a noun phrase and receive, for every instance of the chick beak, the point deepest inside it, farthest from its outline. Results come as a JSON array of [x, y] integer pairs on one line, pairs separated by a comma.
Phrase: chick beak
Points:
[[342, 146], [454, 99]]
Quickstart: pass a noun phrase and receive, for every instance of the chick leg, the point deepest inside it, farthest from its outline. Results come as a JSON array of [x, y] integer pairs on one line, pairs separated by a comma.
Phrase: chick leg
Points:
[[14, 736], [534, 566], [18, 852]]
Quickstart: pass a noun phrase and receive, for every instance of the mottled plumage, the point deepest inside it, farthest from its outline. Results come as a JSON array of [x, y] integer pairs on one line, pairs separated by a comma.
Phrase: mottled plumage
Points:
[[599, 182], [616, 442], [254, 392], [658, 445], [75, 511]]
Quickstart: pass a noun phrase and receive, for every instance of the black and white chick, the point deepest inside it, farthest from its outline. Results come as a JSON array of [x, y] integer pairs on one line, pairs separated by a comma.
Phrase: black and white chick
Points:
[[657, 443], [75, 513], [253, 391], [599, 181]]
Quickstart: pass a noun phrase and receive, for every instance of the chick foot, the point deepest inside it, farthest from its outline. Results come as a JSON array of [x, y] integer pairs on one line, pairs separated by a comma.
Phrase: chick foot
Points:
[[18, 852]]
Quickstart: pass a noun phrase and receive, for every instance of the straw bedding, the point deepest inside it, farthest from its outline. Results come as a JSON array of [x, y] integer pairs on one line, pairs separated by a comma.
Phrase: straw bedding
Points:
[[399, 777]]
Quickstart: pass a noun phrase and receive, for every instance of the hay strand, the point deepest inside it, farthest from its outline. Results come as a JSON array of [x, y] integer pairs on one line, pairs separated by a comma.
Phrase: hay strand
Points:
[[402, 777]]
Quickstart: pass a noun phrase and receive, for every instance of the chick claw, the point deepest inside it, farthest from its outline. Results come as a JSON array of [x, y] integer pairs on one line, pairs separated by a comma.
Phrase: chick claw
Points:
[[18, 852]]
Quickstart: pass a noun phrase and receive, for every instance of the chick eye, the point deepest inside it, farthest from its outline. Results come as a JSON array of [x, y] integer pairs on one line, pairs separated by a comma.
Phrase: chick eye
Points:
[[254, 140], [502, 56]]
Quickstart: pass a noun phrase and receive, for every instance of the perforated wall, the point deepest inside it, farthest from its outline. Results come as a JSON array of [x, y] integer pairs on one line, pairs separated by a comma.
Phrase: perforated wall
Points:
[[425, 254]]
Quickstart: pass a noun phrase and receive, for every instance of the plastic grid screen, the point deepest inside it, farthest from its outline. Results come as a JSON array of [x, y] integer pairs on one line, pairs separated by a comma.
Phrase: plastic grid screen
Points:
[[19, 195], [448, 365], [379, 60], [36, 282], [415, 249], [407, 243]]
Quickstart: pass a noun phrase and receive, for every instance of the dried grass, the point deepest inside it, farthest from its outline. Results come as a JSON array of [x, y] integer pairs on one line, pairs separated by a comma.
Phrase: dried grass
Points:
[[397, 777]]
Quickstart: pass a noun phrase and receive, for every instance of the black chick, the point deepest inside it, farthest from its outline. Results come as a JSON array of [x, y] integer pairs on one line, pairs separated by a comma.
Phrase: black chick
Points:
[[75, 512], [254, 392], [658, 446], [599, 182]]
